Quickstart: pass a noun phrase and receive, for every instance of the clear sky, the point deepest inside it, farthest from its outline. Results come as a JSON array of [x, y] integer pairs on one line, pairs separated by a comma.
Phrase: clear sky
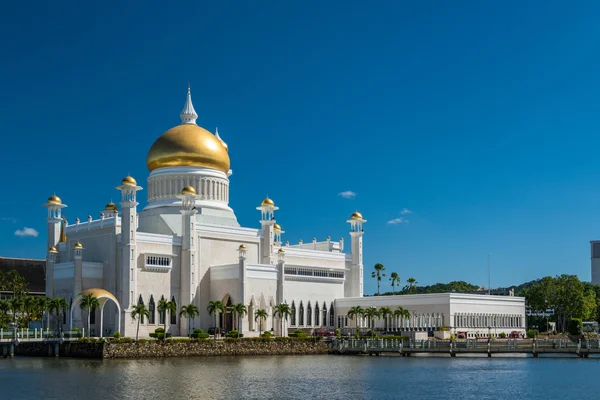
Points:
[[481, 121]]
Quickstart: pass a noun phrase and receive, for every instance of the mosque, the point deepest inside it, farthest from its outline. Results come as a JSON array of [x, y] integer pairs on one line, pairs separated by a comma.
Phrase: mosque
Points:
[[187, 246]]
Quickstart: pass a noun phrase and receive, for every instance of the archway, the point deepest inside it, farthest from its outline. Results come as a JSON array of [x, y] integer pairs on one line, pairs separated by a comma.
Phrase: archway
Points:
[[226, 320], [103, 297]]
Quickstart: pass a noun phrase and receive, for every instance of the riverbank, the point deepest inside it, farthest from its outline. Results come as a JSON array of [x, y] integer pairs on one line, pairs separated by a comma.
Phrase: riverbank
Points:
[[159, 349]]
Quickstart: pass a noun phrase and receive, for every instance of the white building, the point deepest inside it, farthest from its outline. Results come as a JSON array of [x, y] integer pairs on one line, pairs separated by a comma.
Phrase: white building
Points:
[[186, 245]]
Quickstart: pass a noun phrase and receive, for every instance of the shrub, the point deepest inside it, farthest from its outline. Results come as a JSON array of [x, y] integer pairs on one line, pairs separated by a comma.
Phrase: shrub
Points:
[[142, 340], [575, 326], [199, 334], [159, 333], [126, 340], [117, 335], [532, 333], [267, 334], [443, 329], [159, 330], [338, 333], [502, 335], [234, 334]]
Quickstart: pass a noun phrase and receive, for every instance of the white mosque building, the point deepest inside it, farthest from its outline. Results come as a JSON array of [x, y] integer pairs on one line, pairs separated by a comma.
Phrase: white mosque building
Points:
[[186, 245]]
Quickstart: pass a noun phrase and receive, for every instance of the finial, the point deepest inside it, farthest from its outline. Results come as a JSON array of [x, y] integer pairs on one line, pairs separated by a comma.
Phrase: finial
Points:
[[188, 114]]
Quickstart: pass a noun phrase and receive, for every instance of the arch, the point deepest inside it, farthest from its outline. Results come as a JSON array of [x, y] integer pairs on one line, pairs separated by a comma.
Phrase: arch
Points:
[[301, 314], [174, 315], [103, 297], [331, 315], [152, 309], [251, 313], [293, 318], [141, 303], [226, 320], [317, 314], [324, 314], [308, 314], [162, 315]]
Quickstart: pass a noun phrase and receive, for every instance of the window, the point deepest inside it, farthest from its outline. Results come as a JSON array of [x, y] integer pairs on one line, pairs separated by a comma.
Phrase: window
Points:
[[309, 315], [141, 303], [317, 314], [301, 315], [293, 319], [331, 316], [151, 308], [158, 263], [324, 314], [162, 314], [174, 315]]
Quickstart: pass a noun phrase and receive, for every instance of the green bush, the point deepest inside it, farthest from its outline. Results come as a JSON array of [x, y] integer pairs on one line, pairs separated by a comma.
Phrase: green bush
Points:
[[159, 333], [142, 340], [338, 333], [199, 334], [443, 329], [575, 326], [267, 334], [234, 334], [117, 335], [159, 330], [502, 335], [126, 340], [532, 333]]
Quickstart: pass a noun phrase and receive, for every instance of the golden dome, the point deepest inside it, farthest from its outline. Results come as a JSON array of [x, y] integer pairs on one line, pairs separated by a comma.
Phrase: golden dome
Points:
[[52, 249], [267, 202], [78, 246], [111, 207], [188, 145], [281, 251], [54, 199], [277, 227], [188, 190], [128, 180], [242, 246], [356, 215]]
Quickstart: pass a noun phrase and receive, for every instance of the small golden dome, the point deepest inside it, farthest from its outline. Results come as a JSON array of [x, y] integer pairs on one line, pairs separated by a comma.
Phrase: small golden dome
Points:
[[89, 217], [102, 214], [267, 202], [188, 190], [77, 219], [188, 145], [52, 249], [328, 237], [281, 251], [314, 239], [111, 207], [277, 227], [242, 246], [54, 199], [128, 180], [356, 215], [78, 246]]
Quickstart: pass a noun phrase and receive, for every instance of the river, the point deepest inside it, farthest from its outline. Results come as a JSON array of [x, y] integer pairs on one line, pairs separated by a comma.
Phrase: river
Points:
[[300, 377]]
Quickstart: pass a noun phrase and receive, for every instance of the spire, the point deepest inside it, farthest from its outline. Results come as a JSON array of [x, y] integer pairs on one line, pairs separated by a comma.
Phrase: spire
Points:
[[63, 237], [188, 114]]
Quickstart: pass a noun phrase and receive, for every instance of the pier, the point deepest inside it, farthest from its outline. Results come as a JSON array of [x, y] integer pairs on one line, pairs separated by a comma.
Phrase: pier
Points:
[[583, 348]]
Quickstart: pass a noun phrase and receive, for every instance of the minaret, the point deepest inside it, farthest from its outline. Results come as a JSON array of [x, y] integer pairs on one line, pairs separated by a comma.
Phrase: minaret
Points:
[[127, 281], [354, 280], [78, 267], [242, 265], [278, 232], [188, 261], [267, 222], [54, 229], [281, 280], [188, 114]]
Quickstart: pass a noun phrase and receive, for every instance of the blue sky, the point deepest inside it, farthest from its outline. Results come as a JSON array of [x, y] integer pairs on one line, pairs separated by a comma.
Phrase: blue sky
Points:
[[483, 121]]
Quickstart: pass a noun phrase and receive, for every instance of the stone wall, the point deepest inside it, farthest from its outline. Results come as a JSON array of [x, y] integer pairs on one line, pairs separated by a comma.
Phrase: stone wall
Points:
[[212, 348], [67, 349]]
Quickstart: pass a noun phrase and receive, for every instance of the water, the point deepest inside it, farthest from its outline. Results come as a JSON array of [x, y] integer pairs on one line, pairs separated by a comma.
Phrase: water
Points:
[[301, 377]]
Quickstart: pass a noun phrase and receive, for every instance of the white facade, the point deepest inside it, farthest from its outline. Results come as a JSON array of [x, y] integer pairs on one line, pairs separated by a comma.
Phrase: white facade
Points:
[[186, 245]]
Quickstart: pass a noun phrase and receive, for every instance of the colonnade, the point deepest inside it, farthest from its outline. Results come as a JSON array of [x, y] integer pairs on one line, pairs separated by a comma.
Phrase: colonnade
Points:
[[476, 320], [169, 186]]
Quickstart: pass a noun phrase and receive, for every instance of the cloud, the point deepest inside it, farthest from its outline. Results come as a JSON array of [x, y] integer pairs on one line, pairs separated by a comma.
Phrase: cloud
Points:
[[8, 219], [405, 211], [26, 232], [397, 221], [348, 194]]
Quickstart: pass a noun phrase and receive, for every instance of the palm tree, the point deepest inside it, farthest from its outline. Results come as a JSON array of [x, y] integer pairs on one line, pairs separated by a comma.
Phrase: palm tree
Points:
[[168, 308], [89, 303], [42, 307], [60, 306], [239, 311], [356, 311], [16, 306], [282, 310], [261, 315], [385, 312], [371, 313], [138, 312], [29, 307], [412, 284], [214, 308], [395, 278], [190, 312], [401, 313], [378, 273]]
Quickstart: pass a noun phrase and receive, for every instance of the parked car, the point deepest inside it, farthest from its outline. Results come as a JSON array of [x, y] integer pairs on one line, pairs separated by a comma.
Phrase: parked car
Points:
[[213, 329]]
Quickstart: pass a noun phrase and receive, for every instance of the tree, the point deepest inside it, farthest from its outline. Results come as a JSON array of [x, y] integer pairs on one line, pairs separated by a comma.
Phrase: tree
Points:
[[59, 306], [89, 303], [378, 273], [371, 313], [42, 309], [138, 312], [412, 285], [283, 311], [214, 308], [190, 312], [260, 315], [355, 312], [4, 313], [16, 306], [30, 306], [401, 313], [385, 312], [239, 311], [167, 308], [395, 278]]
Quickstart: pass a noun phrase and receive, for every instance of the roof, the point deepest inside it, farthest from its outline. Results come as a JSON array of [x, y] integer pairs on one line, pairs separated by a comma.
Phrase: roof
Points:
[[34, 271]]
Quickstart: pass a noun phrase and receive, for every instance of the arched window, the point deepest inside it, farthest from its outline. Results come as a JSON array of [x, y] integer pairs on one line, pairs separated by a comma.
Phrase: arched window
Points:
[[309, 315], [293, 319], [162, 314], [174, 315], [151, 308], [301, 315], [324, 314], [317, 314], [331, 316], [141, 303]]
